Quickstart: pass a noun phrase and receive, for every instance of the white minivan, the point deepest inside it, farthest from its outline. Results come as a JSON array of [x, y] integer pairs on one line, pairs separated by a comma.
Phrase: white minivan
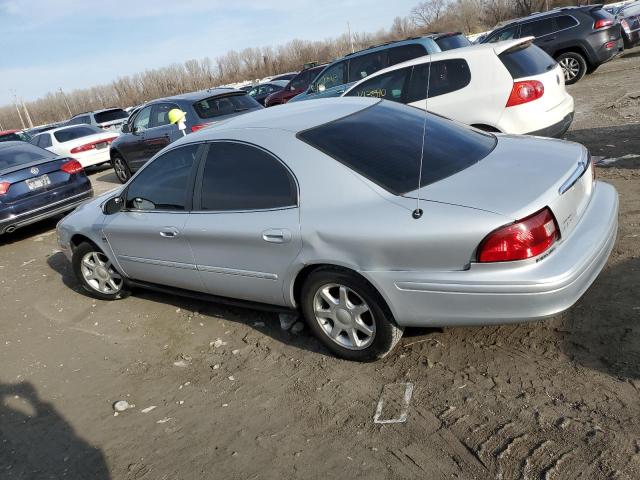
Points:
[[509, 87]]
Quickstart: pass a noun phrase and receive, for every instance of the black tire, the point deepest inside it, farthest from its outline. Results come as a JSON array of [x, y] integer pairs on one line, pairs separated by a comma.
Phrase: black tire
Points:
[[386, 333], [121, 169], [79, 254], [573, 65]]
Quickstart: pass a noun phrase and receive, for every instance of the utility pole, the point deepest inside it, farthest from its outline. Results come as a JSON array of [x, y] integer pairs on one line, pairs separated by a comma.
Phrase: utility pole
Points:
[[350, 37], [26, 113], [15, 104], [65, 101]]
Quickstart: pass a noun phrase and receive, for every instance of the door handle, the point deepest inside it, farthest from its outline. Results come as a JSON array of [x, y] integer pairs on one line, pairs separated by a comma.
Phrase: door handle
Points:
[[276, 235], [169, 232]]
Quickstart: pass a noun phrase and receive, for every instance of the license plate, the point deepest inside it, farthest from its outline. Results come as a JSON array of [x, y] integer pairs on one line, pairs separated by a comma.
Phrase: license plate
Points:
[[38, 182], [101, 145]]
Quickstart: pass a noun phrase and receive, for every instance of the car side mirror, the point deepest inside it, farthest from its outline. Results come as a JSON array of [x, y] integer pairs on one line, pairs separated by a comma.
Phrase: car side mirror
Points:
[[113, 205], [126, 128]]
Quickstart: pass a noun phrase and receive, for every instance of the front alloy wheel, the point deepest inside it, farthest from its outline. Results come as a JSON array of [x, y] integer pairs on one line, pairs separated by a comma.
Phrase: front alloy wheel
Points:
[[97, 275], [574, 67]]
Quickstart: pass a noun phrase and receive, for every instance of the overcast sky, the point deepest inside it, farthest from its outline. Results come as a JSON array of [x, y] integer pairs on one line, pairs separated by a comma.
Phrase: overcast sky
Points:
[[47, 44]]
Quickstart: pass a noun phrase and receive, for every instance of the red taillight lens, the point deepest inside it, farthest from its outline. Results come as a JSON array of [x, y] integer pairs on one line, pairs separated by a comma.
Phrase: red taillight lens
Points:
[[525, 92], [523, 239], [603, 23], [71, 167], [610, 45], [200, 126], [83, 148], [4, 187]]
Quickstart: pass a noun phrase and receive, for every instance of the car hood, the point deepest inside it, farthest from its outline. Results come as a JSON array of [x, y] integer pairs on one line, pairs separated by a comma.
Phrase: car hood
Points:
[[520, 176]]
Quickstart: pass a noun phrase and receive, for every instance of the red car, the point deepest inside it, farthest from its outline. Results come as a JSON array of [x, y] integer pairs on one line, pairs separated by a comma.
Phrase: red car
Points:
[[13, 135], [296, 86]]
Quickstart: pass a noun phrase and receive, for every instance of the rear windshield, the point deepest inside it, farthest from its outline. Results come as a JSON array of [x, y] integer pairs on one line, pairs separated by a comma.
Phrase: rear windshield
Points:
[[453, 41], [527, 61], [218, 106], [383, 144], [74, 133], [111, 115], [22, 154], [15, 136]]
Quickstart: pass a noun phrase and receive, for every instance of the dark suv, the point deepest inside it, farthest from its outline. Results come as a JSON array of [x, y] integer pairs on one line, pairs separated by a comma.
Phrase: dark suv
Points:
[[579, 38], [148, 130]]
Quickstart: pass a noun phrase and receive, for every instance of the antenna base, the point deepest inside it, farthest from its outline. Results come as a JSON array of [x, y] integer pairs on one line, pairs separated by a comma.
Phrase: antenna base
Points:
[[417, 213]]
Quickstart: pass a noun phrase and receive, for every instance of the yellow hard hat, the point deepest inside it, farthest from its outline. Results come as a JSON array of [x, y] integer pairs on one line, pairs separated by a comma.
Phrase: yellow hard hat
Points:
[[175, 115]]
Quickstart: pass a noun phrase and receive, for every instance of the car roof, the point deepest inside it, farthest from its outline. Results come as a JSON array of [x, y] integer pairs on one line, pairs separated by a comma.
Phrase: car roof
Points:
[[538, 15], [294, 117], [280, 83], [11, 143], [97, 111], [65, 127], [202, 94], [8, 132]]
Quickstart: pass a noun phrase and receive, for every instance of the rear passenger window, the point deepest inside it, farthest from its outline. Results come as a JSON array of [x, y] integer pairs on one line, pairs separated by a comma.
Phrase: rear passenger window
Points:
[[565, 21], [446, 76], [389, 86], [364, 65], [404, 53], [45, 141], [538, 28], [242, 177]]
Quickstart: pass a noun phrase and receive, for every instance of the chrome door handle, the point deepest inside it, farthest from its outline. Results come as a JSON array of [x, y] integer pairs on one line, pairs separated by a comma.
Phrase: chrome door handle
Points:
[[169, 232], [276, 235]]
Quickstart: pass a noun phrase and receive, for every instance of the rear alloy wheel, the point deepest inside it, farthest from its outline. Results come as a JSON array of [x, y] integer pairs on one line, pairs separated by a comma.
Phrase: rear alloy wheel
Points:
[[96, 273], [348, 316], [573, 65], [121, 168]]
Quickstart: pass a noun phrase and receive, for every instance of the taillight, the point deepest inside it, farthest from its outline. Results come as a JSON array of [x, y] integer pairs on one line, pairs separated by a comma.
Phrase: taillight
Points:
[[92, 145], [71, 167], [525, 92], [200, 126], [602, 23], [610, 45], [523, 239], [4, 187]]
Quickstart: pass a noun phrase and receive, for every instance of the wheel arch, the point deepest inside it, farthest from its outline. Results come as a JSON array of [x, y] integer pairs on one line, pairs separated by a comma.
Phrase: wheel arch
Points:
[[573, 49], [303, 274]]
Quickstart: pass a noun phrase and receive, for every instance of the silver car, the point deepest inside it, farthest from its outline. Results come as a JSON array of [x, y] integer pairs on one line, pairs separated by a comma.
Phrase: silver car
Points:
[[334, 209]]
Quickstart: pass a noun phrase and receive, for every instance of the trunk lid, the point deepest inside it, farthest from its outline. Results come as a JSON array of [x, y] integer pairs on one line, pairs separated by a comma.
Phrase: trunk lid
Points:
[[519, 177]]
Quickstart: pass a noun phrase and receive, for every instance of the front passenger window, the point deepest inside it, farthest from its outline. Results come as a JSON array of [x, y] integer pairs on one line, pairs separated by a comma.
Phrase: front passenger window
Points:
[[142, 119], [164, 183]]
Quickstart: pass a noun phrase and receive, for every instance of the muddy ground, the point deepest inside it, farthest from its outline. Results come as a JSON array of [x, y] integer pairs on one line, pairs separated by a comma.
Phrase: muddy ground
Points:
[[553, 399]]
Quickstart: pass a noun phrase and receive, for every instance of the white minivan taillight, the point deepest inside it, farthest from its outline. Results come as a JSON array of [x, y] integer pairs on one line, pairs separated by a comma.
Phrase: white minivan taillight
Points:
[[523, 239]]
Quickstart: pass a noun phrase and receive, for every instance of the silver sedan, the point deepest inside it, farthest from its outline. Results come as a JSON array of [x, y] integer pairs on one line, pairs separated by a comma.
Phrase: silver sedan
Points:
[[334, 208]]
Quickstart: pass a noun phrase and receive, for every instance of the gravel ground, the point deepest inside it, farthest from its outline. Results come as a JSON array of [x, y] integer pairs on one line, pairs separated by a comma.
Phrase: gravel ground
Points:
[[235, 396]]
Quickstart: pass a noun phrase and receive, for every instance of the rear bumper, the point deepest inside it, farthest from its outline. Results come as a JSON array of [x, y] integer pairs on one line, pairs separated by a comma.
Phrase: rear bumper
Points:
[[94, 158], [556, 130], [32, 216], [513, 291]]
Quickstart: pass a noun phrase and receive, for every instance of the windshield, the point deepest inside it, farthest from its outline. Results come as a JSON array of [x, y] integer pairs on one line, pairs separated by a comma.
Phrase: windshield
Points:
[[227, 105], [74, 133], [383, 143], [22, 154], [111, 115]]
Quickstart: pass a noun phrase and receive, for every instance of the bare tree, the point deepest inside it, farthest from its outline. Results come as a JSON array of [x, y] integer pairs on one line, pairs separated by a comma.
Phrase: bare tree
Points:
[[428, 12]]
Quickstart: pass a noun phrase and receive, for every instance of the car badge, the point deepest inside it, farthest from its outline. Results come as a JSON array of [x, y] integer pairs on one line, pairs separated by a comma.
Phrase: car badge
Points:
[[35, 170]]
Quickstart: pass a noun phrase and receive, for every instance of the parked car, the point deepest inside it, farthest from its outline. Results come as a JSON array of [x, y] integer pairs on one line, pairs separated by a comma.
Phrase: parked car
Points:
[[629, 17], [36, 184], [451, 40], [296, 85], [513, 86], [149, 130], [325, 207], [87, 144], [261, 91], [246, 88], [579, 38], [106, 119], [14, 135], [43, 128], [285, 76], [339, 75]]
